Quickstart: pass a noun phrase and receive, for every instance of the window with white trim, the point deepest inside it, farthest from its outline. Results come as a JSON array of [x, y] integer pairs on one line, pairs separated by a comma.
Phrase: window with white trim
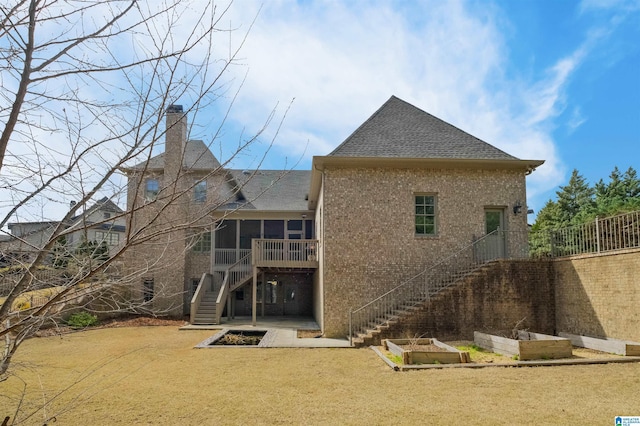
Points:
[[111, 238], [425, 214], [202, 243], [151, 189], [200, 191]]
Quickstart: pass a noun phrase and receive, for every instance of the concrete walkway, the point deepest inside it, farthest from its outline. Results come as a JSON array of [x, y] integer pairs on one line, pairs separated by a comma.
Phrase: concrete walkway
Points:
[[283, 331]]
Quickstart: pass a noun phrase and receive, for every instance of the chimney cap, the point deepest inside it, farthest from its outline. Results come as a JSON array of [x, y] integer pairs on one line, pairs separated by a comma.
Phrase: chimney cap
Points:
[[174, 109]]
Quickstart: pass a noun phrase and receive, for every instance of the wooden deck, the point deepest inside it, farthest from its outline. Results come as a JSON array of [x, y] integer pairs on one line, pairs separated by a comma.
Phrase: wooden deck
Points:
[[270, 253], [285, 253]]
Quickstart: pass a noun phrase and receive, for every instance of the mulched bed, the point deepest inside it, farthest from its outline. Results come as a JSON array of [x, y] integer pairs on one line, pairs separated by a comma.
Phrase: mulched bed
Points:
[[131, 321], [423, 348]]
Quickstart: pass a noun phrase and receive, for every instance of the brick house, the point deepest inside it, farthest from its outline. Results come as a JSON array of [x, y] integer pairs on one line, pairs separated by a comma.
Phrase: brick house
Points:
[[405, 190], [102, 223]]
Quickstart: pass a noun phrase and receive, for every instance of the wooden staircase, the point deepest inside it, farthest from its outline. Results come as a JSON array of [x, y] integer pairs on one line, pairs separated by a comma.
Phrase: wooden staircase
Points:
[[212, 294], [206, 312]]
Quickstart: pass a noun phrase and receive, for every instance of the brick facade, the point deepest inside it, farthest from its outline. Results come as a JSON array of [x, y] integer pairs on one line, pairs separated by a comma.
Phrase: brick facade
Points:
[[175, 218], [369, 241]]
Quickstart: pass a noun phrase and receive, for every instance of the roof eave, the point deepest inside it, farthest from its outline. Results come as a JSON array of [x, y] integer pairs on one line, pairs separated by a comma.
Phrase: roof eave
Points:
[[432, 163]]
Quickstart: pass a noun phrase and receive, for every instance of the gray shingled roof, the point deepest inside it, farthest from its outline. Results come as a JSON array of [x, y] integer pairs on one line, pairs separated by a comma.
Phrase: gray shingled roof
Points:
[[196, 156], [275, 190], [401, 130]]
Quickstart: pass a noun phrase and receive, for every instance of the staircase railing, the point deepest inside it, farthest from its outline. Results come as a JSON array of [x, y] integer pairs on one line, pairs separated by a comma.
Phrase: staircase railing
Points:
[[234, 277], [204, 286], [435, 278], [239, 272]]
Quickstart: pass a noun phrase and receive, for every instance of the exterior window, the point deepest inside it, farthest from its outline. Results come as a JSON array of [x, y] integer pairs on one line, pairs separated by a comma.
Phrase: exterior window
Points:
[[152, 188], [200, 191], [106, 215], [147, 289], [111, 238], [203, 243], [425, 207]]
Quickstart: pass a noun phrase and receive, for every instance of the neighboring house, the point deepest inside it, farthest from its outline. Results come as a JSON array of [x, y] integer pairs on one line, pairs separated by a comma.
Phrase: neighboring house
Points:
[[104, 222], [405, 190]]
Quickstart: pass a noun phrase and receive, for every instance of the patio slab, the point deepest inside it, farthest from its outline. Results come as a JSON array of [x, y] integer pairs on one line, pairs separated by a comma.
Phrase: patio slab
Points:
[[283, 331]]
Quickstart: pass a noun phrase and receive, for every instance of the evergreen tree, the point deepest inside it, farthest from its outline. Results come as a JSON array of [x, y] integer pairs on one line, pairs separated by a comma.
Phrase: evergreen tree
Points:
[[578, 203], [575, 200], [621, 194], [631, 184]]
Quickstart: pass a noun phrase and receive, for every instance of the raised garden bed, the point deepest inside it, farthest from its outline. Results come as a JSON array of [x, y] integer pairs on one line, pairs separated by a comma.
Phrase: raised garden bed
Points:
[[528, 346], [425, 351], [614, 346]]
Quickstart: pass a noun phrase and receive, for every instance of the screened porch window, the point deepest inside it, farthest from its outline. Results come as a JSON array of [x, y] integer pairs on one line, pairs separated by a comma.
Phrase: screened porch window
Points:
[[249, 229], [274, 229], [425, 214]]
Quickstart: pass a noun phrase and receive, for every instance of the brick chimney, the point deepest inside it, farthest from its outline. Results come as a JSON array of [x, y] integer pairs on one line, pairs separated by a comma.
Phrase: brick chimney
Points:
[[175, 140]]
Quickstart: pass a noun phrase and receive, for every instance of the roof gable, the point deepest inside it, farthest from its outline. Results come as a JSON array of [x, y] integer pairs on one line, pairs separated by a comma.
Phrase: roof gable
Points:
[[401, 130], [273, 190]]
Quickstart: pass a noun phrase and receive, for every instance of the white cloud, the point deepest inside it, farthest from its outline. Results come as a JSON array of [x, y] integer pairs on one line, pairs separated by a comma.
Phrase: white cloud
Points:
[[576, 120], [341, 61]]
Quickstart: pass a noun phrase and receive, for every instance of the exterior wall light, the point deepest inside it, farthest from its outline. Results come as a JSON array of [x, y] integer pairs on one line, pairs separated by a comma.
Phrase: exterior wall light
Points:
[[517, 208]]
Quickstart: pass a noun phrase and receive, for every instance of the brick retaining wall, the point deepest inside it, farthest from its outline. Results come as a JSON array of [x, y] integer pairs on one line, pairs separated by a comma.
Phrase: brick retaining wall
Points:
[[599, 295], [494, 299]]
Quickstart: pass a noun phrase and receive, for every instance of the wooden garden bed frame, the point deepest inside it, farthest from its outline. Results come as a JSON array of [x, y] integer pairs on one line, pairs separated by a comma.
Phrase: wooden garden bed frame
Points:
[[614, 346], [529, 346], [451, 356]]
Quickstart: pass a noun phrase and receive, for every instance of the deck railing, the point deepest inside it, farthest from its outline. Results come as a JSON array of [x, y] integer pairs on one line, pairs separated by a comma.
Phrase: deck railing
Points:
[[600, 235], [229, 256], [496, 245], [285, 253]]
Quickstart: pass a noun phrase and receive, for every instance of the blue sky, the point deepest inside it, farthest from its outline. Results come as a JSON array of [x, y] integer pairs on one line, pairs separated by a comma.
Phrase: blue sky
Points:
[[548, 79], [552, 80]]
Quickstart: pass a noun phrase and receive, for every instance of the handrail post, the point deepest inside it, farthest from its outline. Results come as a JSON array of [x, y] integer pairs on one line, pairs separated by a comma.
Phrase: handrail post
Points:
[[597, 235], [350, 327]]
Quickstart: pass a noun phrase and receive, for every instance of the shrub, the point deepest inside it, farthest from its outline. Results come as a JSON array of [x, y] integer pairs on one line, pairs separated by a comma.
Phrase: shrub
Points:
[[82, 319]]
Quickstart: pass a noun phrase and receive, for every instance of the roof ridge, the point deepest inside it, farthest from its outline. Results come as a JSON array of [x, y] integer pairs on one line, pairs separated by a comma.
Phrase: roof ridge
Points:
[[399, 129], [363, 124]]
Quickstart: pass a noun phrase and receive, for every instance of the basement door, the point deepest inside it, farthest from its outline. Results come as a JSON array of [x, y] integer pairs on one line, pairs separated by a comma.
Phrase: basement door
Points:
[[494, 225]]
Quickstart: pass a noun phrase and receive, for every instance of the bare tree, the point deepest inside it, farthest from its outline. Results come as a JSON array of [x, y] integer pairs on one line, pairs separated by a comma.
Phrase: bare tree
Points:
[[86, 85]]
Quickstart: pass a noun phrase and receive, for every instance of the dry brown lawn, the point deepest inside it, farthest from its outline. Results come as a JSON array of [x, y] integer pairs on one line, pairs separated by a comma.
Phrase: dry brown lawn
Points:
[[153, 375]]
